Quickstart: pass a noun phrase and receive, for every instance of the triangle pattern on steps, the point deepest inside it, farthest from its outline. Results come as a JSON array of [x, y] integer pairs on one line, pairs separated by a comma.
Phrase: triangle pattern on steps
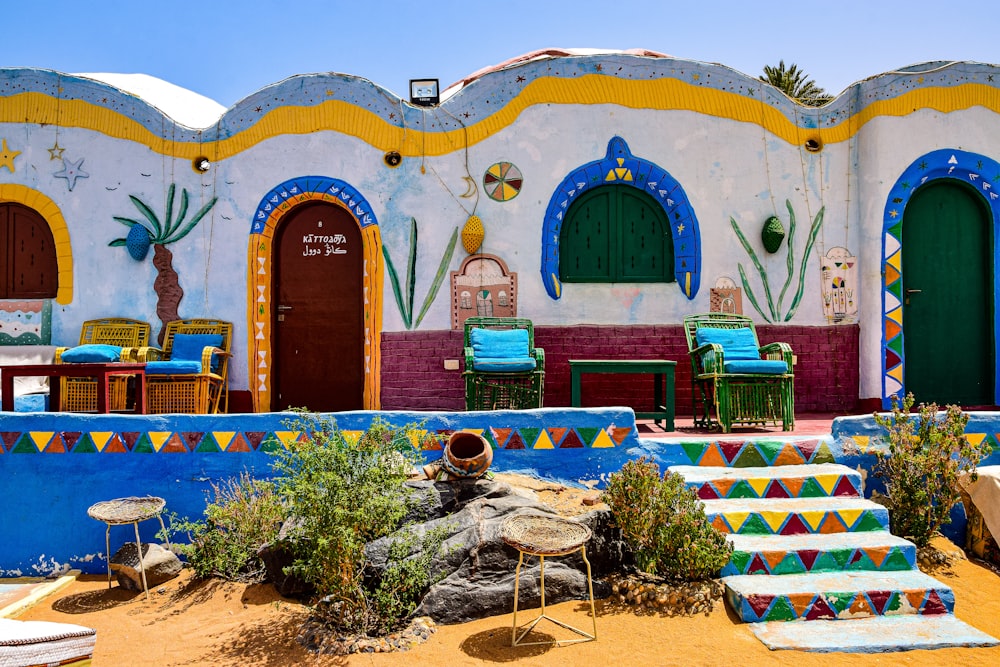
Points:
[[814, 566]]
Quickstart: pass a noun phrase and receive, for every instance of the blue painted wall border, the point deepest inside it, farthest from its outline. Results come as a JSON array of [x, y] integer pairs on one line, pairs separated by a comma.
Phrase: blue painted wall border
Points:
[[53, 466]]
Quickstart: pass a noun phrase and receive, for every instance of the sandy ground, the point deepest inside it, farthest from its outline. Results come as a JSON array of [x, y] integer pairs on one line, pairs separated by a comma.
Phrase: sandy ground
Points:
[[192, 622]]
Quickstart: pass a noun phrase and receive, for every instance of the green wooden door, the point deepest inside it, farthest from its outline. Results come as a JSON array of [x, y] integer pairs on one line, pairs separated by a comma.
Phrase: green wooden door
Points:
[[616, 233], [948, 296]]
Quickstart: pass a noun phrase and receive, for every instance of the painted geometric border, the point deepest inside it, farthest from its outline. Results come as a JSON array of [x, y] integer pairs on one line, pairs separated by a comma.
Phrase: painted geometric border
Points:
[[184, 441], [621, 167], [979, 171]]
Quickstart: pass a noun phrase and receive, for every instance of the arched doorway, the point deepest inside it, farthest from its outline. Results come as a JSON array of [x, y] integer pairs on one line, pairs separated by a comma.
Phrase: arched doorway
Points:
[[948, 295], [28, 251], [319, 310]]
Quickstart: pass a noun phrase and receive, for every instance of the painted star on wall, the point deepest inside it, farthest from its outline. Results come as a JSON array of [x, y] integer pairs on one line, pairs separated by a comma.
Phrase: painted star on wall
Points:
[[71, 171], [7, 156], [55, 153]]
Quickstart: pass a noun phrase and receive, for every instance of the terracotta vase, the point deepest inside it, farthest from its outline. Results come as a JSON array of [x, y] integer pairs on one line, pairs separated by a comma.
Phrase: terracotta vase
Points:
[[467, 455]]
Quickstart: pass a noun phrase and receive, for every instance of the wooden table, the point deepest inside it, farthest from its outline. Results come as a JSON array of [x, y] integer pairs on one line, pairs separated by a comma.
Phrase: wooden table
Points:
[[663, 383], [101, 372]]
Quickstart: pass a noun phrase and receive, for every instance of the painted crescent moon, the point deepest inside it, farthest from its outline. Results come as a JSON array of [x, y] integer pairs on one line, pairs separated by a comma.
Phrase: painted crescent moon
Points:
[[471, 189]]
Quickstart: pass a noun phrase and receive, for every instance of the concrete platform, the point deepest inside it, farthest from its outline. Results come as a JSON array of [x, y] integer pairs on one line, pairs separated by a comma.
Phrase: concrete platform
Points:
[[879, 634]]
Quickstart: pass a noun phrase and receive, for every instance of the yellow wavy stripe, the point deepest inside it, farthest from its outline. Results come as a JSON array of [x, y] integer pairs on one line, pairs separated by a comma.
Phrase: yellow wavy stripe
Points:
[[346, 118]]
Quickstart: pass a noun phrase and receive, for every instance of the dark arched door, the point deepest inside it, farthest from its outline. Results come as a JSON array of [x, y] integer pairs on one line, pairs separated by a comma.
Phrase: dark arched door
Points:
[[948, 295], [30, 269], [319, 318]]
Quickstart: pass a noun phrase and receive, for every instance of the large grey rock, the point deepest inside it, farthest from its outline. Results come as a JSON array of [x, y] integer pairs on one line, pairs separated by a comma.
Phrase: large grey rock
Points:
[[160, 564], [475, 567]]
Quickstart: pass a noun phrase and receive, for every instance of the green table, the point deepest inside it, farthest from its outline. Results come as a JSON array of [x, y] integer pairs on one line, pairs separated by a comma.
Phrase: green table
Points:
[[663, 383]]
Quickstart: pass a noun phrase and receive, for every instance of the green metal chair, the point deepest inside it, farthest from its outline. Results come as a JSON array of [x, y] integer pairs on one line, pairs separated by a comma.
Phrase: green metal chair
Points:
[[734, 377], [503, 368]]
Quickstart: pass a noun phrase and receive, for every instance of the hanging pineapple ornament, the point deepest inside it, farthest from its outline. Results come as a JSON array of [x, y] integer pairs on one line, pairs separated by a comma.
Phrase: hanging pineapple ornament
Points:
[[473, 234], [772, 234]]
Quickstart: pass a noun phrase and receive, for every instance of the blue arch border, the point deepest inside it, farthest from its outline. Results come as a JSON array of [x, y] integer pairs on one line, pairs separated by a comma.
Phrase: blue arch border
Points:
[[978, 171], [619, 166], [295, 187]]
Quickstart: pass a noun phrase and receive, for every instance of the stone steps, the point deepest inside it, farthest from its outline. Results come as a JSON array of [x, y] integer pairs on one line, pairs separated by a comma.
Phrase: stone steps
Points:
[[807, 546], [796, 516], [816, 552], [836, 595]]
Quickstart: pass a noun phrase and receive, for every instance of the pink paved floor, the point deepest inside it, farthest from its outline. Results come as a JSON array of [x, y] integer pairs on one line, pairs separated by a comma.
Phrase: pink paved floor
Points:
[[805, 424]]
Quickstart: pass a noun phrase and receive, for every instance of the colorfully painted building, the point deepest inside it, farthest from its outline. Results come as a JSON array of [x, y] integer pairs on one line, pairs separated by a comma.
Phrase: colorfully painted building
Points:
[[336, 225]]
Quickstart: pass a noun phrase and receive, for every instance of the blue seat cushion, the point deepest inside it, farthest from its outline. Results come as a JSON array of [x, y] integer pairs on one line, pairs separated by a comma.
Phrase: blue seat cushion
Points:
[[188, 347], [756, 366], [92, 354], [499, 343], [737, 344], [503, 364], [181, 367]]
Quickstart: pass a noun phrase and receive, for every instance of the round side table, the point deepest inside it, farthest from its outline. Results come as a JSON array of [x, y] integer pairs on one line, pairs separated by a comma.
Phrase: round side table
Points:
[[131, 510], [540, 535]]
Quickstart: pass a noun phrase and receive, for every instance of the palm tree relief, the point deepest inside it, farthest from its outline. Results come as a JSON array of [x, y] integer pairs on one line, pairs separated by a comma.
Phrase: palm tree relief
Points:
[[149, 230]]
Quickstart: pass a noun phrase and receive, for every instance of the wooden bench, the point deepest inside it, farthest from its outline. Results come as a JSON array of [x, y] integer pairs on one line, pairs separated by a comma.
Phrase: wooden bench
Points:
[[663, 383]]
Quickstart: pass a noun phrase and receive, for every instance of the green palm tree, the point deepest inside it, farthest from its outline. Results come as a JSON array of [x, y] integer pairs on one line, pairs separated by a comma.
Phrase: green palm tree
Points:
[[796, 84]]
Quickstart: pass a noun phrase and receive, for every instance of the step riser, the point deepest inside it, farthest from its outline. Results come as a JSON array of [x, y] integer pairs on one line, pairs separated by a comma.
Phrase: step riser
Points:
[[763, 488], [767, 522], [738, 453], [840, 605], [890, 559]]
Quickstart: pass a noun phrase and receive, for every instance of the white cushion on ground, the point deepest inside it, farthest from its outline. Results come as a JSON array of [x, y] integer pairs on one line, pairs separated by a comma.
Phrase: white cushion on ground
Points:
[[43, 642]]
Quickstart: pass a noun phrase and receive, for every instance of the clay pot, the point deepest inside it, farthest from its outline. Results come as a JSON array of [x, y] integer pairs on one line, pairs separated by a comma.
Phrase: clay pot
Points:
[[467, 455]]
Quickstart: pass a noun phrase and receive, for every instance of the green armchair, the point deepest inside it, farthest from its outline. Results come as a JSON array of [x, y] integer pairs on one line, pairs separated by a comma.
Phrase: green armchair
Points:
[[736, 378], [503, 368]]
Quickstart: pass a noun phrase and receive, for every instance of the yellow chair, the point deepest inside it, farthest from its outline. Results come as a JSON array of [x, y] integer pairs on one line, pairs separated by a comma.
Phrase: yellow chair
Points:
[[190, 372], [105, 340]]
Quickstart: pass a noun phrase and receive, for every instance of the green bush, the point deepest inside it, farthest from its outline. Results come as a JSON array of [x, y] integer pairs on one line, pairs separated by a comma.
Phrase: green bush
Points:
[[664, 523], [245, 514], [344, 494], [923, 464]]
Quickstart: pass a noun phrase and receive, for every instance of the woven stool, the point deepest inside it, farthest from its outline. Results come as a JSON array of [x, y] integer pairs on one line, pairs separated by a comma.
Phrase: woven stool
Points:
[[128, 510], [538, 535]]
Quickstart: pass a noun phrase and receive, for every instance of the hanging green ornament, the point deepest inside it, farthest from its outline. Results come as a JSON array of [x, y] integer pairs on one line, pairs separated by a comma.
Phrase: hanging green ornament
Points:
[[772, 234]]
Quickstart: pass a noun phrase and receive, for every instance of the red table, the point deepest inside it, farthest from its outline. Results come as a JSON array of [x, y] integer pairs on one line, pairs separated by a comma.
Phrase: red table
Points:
[[99, 371]]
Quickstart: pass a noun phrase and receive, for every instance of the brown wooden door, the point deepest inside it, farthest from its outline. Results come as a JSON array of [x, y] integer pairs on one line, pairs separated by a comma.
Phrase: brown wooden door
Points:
[[319, 316], [28, 254]]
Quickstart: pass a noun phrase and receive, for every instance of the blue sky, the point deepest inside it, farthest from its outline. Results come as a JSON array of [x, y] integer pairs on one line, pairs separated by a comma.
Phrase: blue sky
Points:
[[226, 50]]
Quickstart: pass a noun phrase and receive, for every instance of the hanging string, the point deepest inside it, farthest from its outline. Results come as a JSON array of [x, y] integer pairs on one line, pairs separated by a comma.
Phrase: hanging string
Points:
[[767, 165], [465, 150]]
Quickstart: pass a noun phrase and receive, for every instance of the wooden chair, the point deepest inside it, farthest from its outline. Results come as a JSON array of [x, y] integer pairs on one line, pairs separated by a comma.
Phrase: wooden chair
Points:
[[190, 372], [503, 368], [104, 340], [736, 378]]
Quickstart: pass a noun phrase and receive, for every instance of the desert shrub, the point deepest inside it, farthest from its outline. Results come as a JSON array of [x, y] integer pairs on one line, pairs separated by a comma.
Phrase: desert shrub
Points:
[[922, 466], [664, 523], [244, 514], [343, 494]]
